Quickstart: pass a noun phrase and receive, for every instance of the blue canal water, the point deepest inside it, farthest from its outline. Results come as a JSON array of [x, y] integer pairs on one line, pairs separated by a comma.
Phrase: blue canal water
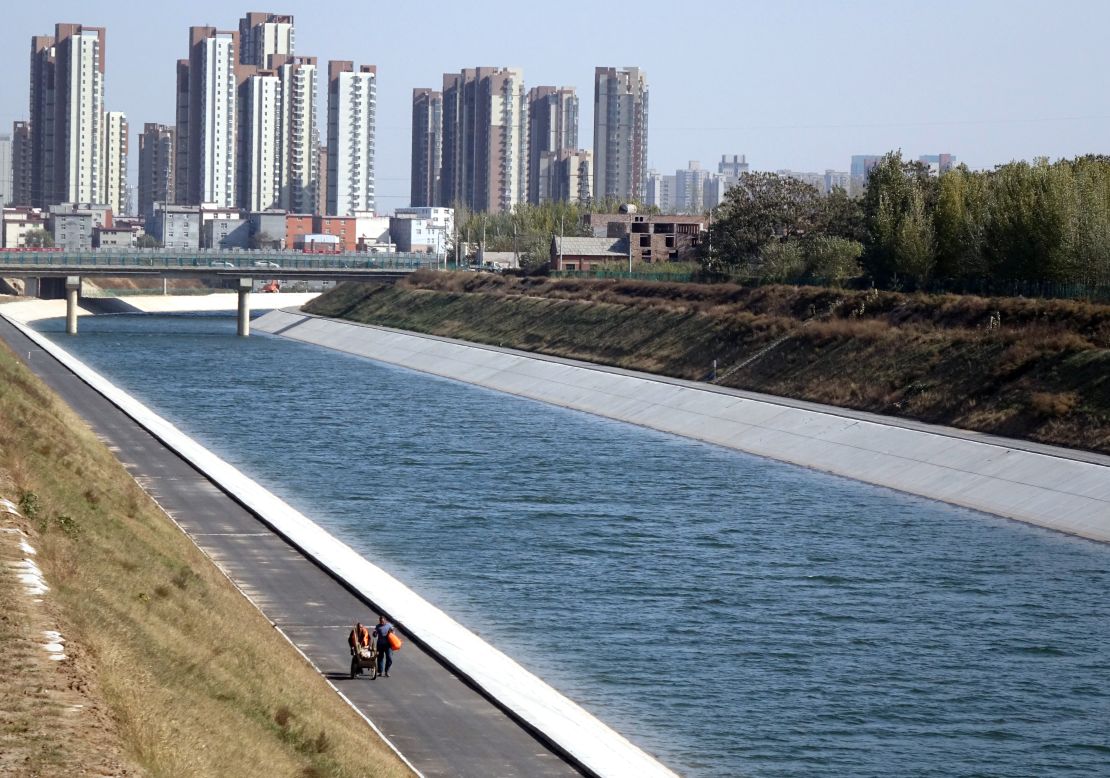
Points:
[[732, 615]]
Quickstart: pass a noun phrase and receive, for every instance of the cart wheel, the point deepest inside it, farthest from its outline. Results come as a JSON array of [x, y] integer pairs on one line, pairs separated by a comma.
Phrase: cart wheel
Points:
[[355, 669], [373, 668]]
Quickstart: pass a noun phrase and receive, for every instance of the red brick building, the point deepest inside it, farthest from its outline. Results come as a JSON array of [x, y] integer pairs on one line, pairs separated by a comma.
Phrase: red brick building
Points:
[[655, 237]]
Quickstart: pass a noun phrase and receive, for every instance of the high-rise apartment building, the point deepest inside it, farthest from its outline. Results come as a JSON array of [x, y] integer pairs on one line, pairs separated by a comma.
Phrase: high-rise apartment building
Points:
[[565, 175], [264, 35], [262, 160], [207, 119], [21, 164], [485, 138], [860, 169], [5, 170], [352, 105], [427, 148], [322, 179], [552, 127], [115, 162], [660, 191], [278, 134], [156, 167], [837, 179], [300, 140], [732, 165], [67, 115], [689, 188], [938, 163], [620, 133]]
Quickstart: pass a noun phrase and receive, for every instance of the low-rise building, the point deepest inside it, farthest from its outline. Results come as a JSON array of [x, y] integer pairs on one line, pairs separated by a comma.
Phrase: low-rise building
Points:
[[267, 229], [587, 253], [654, 237], [297, 225], [175, 226], [17, 222], [372, 232], [118, 237], [343, 227], [72, 224], [423, 230], [316, 241], [225, 233]]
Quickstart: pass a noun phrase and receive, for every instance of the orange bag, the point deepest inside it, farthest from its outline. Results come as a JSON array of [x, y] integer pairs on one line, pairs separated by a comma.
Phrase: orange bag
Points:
[[394, 641]]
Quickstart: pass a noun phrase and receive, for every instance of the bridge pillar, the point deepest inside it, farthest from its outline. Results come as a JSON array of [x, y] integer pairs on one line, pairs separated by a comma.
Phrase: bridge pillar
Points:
[[245, 286], [73, 286]]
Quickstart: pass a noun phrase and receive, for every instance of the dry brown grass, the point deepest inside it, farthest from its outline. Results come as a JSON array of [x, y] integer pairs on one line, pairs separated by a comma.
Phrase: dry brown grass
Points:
[[966, 361], [192, 675]]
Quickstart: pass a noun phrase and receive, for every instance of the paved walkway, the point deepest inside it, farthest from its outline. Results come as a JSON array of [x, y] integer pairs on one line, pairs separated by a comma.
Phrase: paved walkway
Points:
[[441, 725]]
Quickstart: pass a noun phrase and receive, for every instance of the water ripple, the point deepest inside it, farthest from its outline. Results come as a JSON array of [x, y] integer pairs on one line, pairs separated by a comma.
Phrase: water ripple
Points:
[[735, 616]]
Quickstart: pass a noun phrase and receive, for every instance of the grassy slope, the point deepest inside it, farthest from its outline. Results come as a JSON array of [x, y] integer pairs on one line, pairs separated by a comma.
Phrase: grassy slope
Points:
[[1044, 374], [195, 679]]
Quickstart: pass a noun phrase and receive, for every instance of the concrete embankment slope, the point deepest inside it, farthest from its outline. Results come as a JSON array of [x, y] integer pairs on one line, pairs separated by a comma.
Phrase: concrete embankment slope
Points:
[[1060, 489]]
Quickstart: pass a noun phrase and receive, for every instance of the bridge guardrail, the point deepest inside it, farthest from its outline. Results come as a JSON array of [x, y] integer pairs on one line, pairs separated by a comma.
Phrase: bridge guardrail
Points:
[[253, 261]]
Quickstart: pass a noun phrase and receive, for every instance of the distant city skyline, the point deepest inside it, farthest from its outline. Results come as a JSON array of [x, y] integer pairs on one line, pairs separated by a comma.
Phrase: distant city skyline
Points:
[[800, 85]]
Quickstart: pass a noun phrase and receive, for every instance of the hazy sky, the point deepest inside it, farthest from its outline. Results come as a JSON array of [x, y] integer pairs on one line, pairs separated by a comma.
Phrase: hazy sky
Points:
[[790, 83]]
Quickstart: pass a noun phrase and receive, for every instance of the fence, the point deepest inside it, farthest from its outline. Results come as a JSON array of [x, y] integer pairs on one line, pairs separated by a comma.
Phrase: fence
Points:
[[1050, 290]]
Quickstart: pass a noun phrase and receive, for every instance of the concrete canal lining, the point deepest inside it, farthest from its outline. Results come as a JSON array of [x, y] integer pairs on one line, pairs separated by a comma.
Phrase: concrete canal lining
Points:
[[1060, 489]]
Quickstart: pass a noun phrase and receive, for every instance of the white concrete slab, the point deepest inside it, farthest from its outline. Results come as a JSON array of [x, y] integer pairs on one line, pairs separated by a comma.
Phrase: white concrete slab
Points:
[[1036, 484]]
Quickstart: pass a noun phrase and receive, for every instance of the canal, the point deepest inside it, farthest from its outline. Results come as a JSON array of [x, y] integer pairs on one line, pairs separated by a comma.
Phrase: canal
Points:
[[732, 615]]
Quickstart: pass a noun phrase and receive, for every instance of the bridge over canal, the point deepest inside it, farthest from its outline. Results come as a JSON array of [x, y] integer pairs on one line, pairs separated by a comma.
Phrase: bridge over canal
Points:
[[54, 273]]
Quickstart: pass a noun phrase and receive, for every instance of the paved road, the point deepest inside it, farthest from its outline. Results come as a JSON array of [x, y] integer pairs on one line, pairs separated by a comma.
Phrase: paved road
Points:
[[440, 724]]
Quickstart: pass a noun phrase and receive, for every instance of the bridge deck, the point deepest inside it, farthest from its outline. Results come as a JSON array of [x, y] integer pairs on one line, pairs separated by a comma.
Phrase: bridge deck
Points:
[[200, 262]]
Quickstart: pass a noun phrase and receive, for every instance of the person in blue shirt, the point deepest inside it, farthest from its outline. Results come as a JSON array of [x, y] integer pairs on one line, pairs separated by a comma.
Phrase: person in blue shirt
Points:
[[385, 650]]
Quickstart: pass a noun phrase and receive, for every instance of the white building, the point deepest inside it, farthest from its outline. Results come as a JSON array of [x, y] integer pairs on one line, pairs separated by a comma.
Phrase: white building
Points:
[[115, 162], [300, 135], [83, 114], [421, 230], [372, 232], [689, 188], [508, 132], [264, 35], [660, 191], [352, 103], [211, 131], [837, 179], [263, 144]]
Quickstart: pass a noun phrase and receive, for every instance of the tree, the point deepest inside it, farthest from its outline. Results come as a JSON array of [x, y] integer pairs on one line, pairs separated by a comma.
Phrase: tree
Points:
[[960, 223], [759, 209], [898, 207], [842, 216], [264, 240], [38, 238], [831, 259], [147, 242]]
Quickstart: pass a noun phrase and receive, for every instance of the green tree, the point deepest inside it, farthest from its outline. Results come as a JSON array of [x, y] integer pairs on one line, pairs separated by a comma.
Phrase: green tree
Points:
[[842, 216], [760, 209], [147, 242], [781, 261], [38, 239], [960, 222], [831, 258], [898, 207]]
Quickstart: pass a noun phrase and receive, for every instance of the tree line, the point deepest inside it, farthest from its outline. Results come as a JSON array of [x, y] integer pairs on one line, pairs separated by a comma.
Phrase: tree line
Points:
[[1037, 221]]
